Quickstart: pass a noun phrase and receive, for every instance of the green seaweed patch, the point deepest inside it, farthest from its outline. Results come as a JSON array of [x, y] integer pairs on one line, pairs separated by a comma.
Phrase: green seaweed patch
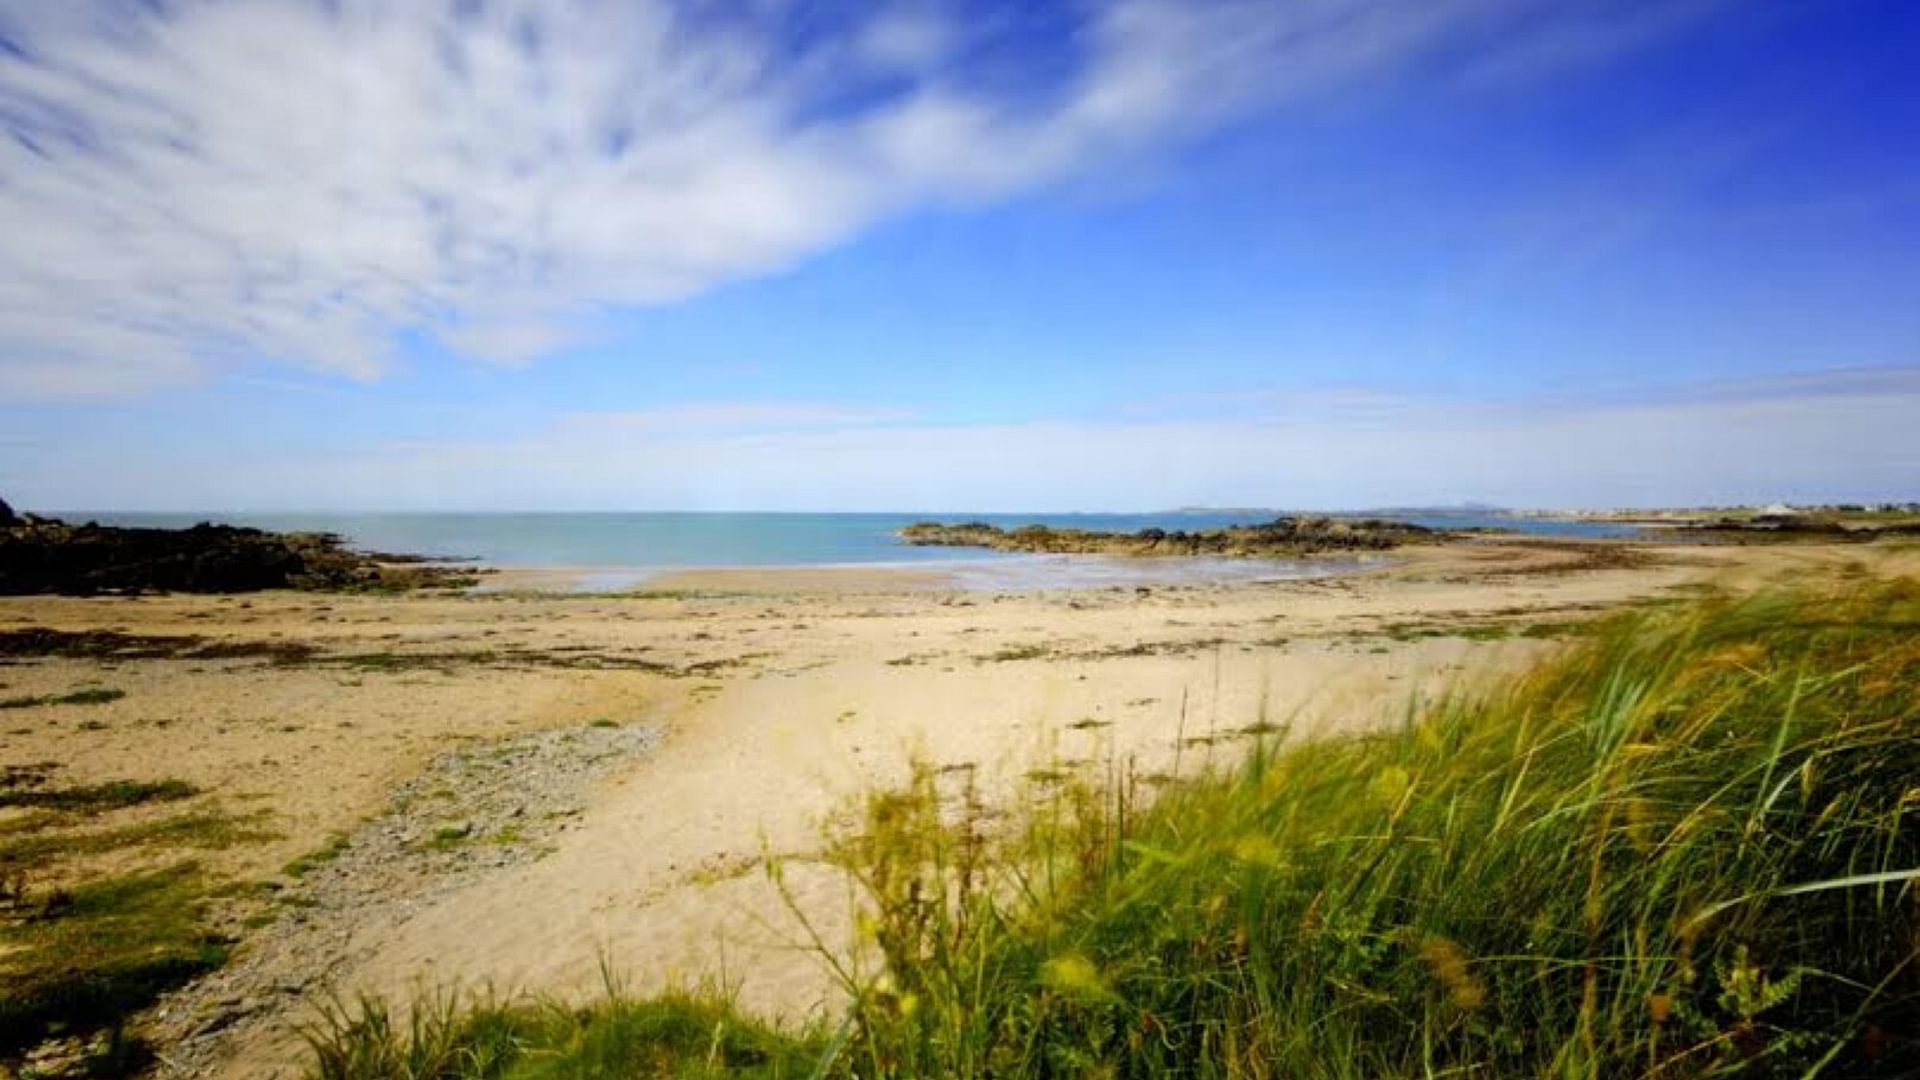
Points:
[[450, 836], [315, 859], [41, 641], [91, 696], [1015, 653], [207, 831], [1465, 631], [86, 958], [90, 799]]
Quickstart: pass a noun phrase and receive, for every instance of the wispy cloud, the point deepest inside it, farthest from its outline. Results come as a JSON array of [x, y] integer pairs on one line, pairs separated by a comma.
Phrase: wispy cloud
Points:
[[1819, 435], [1583, 36], [211, 182], [1355, 403], [733, 418]]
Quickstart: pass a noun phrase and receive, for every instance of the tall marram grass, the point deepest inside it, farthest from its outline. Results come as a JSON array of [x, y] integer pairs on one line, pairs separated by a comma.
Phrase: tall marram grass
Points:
[[1683, 848]]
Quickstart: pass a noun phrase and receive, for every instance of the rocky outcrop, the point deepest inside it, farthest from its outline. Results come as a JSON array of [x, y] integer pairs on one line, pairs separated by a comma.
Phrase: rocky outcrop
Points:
[[1279, 538], [1765, 528], [39, 555], [7, 517]]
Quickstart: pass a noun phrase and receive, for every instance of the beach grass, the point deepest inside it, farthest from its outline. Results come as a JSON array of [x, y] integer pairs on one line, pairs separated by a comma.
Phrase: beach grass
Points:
[[1683, 847], [682, 1035]]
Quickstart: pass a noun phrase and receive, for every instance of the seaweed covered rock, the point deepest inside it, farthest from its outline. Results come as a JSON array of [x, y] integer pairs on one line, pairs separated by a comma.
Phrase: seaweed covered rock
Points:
[[1283, 536], [39, 555]]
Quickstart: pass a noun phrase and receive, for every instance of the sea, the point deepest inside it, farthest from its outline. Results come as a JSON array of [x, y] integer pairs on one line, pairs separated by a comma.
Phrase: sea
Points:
[[620, 549]]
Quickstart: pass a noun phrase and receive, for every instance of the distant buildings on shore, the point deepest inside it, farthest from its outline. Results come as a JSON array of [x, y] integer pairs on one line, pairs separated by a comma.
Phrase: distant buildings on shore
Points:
[[1689, 513]]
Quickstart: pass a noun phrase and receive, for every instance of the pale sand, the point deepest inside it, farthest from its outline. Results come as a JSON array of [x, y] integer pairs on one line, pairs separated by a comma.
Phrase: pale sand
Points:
[[827, 684]]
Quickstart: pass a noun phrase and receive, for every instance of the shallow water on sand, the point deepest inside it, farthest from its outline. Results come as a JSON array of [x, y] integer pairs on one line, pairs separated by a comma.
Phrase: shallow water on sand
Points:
[[724, 539], [981, 572], [1030, 572]]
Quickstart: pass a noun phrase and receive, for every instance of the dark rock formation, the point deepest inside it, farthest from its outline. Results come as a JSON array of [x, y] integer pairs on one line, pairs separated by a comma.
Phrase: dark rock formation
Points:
[[1778, 528], [7, 518], [1282, 537], [39, 555]]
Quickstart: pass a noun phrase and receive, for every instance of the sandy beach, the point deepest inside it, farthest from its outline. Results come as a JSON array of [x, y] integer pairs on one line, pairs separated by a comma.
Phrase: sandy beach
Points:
[[507, 788], [614, 539]]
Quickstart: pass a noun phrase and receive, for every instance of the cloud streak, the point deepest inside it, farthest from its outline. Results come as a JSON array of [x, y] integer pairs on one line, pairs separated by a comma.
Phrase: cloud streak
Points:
[[1812, 437], [206, 183]]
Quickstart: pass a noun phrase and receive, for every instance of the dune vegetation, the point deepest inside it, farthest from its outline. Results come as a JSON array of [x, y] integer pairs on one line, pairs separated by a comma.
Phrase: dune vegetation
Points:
[[1683, 847]]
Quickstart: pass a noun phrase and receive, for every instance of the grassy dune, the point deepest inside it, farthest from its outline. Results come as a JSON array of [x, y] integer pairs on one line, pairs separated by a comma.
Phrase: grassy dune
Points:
[[1684, 848]]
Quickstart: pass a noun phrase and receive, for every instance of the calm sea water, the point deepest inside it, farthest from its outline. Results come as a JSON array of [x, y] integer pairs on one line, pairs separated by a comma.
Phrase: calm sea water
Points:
[[668, 540]]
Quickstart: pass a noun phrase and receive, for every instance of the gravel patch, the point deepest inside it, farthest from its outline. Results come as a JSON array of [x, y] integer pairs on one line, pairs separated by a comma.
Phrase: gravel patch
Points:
[[473, 812]]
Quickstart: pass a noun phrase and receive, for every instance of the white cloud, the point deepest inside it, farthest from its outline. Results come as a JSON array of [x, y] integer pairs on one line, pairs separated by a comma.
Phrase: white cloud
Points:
[[210, 182], [1816, 436]]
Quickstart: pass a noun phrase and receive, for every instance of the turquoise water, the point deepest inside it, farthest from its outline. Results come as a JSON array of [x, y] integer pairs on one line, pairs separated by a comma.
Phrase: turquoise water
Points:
[[669, 540]]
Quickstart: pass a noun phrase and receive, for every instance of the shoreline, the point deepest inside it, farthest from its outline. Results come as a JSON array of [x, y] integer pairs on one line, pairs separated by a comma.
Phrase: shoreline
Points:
[[1010, 572], [998, 572], [629, 541]]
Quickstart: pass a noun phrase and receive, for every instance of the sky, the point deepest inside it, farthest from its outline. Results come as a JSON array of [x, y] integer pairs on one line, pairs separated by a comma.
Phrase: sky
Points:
[[937, 255]]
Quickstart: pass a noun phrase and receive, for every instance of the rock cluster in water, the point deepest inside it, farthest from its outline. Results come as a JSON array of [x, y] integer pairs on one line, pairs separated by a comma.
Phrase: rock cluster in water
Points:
[[42, 555], [1281, 537]]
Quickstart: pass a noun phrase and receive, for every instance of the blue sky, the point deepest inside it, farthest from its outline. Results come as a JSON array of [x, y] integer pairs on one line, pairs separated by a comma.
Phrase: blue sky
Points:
[[269, 254]]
